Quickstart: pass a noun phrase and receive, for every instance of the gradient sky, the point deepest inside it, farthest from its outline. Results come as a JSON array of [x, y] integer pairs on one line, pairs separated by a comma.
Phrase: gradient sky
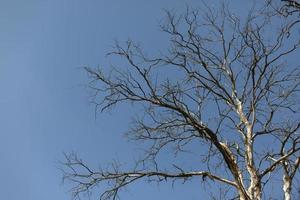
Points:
[[44, 106]]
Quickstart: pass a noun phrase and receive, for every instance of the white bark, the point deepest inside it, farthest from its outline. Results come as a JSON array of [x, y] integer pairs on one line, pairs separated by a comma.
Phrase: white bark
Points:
[[254, 189], [287, 186]]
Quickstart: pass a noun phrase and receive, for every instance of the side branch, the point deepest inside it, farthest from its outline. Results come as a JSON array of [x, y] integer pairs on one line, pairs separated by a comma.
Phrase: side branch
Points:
[[86, 179], [278, 161], [164, 175]]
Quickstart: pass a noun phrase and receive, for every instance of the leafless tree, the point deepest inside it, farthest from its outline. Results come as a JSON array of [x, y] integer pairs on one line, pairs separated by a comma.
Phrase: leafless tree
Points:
[[228, 82]]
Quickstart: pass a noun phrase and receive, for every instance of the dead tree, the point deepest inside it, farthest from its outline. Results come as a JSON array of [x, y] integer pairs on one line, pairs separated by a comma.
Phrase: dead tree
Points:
[[225, 81]]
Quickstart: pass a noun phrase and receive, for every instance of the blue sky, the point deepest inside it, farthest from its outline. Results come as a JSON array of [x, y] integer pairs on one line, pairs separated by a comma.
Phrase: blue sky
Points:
[[44, 105]]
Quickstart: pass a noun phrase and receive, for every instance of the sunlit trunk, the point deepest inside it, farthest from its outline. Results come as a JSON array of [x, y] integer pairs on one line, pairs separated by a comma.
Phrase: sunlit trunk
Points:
[[254, 189], [287, 186]]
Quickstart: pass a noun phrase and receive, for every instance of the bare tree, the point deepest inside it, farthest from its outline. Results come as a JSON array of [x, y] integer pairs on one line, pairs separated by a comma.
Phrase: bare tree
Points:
[[227, 82]]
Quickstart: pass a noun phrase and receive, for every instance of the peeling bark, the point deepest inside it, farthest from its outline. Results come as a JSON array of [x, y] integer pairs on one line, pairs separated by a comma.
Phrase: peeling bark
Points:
[[287, 186], [254, 189]]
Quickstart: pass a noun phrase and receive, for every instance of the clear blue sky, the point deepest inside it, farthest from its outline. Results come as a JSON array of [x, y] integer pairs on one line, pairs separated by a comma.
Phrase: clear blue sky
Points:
[[44, 108]]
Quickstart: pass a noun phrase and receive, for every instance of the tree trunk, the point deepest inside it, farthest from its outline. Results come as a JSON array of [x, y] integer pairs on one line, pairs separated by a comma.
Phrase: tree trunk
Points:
[[287, 186], [254, 189]]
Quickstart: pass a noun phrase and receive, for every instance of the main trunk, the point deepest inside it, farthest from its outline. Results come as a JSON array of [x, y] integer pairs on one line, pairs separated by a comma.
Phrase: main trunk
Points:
[[287, 186], [254, 189]]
